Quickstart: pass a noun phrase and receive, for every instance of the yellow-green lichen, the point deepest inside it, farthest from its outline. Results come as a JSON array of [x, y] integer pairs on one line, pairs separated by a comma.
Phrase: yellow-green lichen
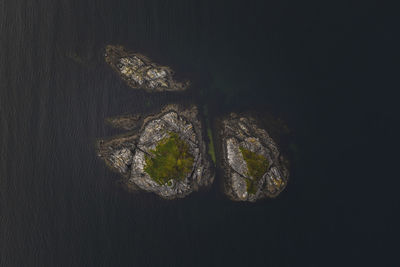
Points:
[[170, 160], [257, 165]]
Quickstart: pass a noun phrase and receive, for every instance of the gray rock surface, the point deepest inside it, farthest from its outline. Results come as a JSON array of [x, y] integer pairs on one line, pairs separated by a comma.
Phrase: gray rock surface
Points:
[[126, 154], [138, 71], [242, 131]]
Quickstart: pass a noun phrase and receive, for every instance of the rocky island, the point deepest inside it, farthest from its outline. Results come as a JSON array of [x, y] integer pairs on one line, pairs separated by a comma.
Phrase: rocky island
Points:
[[140, 72], [163, 153], [252, 164]]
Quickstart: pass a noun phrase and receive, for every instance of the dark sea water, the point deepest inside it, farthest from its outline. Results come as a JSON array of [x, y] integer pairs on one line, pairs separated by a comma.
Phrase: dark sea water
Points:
[[326, 69]]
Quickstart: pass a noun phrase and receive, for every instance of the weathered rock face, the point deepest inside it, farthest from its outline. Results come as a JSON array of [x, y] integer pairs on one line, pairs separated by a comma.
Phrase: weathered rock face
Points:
[[252, 164], [127, 154], [139, 72]]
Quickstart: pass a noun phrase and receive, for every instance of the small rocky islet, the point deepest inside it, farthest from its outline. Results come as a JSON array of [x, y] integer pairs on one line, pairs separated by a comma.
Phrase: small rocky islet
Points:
[[165, 151], [139, 72], [252, 164]]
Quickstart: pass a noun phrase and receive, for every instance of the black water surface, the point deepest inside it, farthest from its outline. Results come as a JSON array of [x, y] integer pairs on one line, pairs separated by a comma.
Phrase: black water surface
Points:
[[326, 68]]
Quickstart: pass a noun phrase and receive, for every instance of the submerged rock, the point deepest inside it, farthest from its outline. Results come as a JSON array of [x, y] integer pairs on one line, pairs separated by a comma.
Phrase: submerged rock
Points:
[[139, 71], [125, 122], [252, 164], [165, 155]]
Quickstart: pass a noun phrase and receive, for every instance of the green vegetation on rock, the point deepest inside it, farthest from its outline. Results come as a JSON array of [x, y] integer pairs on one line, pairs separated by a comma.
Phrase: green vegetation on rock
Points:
[[170, 160], [210, 145], [211, 150], [257, 165]]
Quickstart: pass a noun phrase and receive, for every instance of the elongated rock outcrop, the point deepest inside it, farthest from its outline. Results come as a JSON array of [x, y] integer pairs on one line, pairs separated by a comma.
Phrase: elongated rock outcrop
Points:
[[253, 166], [164, 153], [140, 72]]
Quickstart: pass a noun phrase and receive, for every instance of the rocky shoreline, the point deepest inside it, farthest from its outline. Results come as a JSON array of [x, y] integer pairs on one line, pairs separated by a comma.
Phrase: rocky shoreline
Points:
[[129, 154], [139, 72]]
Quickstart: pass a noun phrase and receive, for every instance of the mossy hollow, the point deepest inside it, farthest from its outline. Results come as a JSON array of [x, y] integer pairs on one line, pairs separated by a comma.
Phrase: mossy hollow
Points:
[[170, 160], [257, 165], [211, 149]]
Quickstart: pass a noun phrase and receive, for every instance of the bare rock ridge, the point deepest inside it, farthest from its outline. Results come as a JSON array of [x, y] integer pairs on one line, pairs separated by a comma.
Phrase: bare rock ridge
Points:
[[139, 72], [153, 157], [253, 166]]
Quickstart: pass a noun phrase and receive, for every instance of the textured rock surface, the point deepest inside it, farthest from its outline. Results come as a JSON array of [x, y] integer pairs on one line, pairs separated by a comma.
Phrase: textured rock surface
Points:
[[126, 154], [242, 132], [139, 72]]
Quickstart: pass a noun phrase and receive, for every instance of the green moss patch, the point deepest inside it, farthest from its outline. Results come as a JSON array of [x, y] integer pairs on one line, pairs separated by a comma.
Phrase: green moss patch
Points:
[[257, 165], [211, 150], [170, 160]]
